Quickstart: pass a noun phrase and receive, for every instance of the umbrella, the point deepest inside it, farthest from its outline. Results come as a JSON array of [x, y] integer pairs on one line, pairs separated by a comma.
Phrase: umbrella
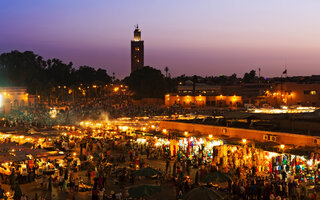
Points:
[[148, 172], [215, 177], [143, 191], [203, 193]]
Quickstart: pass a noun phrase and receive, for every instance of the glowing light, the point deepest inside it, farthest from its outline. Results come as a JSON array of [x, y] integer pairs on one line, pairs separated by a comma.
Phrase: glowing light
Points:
[[244, 141], [210, 136], [1, 100], [282, 146], [141, 140], [53, 113], [164, 130], [116, 89], [285, 109], [186, 133]]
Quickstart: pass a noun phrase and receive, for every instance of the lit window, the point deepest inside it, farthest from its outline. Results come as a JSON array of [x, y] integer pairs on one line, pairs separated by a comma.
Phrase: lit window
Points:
[[138, 60], [310, 92], [137, 49]]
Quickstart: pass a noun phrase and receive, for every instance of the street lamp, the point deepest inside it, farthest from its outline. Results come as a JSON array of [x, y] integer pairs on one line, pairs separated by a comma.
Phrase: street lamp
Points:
[[282, 146], [186, 133], [210, 136], [244, 141], [164, 131]]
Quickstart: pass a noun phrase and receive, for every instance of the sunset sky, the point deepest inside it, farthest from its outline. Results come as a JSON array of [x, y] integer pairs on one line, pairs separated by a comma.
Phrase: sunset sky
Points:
[[203, 37]]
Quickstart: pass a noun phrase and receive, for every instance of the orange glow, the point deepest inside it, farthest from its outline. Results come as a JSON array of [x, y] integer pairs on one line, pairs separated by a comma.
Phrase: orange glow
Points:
[[116, 89]]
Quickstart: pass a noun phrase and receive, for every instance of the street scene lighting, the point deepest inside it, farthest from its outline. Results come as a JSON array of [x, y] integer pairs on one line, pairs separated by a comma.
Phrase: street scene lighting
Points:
[[198, 104]]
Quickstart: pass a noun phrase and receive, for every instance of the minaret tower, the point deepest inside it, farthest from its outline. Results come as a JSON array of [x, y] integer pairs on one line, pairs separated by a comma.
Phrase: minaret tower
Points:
[[137, 50]]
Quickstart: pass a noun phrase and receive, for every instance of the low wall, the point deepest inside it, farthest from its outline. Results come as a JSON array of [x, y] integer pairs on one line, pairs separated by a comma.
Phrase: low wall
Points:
[[303, 125], [284, 138]]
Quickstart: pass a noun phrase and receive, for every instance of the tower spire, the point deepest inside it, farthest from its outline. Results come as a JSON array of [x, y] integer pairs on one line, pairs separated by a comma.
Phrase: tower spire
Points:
[[137, 50]]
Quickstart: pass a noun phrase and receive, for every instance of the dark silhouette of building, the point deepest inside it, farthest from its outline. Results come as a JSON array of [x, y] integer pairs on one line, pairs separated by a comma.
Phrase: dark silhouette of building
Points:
[[137, 51]]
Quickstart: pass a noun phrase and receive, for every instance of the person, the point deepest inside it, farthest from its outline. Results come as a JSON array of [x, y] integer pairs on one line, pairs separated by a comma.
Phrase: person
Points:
[[76, 184], [64, 186], [167, 164], [119, 196], [148, 152], [180, 195], [24, 197], [272, 196], [253, 191], [95, 194], [61, 180], [50, 184], [71, 195], [101, 194], [113, 195], [43, 184]]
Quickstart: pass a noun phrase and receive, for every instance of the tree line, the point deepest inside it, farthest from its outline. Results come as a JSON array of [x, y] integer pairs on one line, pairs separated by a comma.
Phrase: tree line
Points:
[[40, 76], [43, 77]]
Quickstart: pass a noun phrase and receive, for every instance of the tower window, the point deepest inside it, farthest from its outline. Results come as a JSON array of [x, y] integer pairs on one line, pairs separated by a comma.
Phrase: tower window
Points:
[[138, 60], [137, 49]]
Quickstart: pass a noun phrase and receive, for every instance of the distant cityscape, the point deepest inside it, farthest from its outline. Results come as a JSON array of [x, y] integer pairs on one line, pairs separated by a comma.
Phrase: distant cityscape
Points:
[[81, 133]]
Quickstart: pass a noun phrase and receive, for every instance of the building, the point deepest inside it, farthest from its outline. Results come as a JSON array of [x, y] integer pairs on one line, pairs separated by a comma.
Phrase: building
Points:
[[249, 92], [293, 93], [12, 98], [137, 51], [203, 101], [198, 89]]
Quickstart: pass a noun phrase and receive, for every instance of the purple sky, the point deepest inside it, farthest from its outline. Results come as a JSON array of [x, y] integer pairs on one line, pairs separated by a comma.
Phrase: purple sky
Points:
[[205, 37]]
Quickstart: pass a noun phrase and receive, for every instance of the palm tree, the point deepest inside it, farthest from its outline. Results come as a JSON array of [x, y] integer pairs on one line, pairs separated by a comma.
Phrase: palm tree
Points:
[[166, 69]]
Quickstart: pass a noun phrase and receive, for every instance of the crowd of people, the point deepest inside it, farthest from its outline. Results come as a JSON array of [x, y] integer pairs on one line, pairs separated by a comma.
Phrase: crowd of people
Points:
[[110, 107], [106, 166]]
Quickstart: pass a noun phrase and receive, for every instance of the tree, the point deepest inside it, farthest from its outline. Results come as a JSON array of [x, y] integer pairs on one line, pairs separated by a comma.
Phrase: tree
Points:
[[22, 69], [166, 69], [249, 77], [147, 83], [43, 77]]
